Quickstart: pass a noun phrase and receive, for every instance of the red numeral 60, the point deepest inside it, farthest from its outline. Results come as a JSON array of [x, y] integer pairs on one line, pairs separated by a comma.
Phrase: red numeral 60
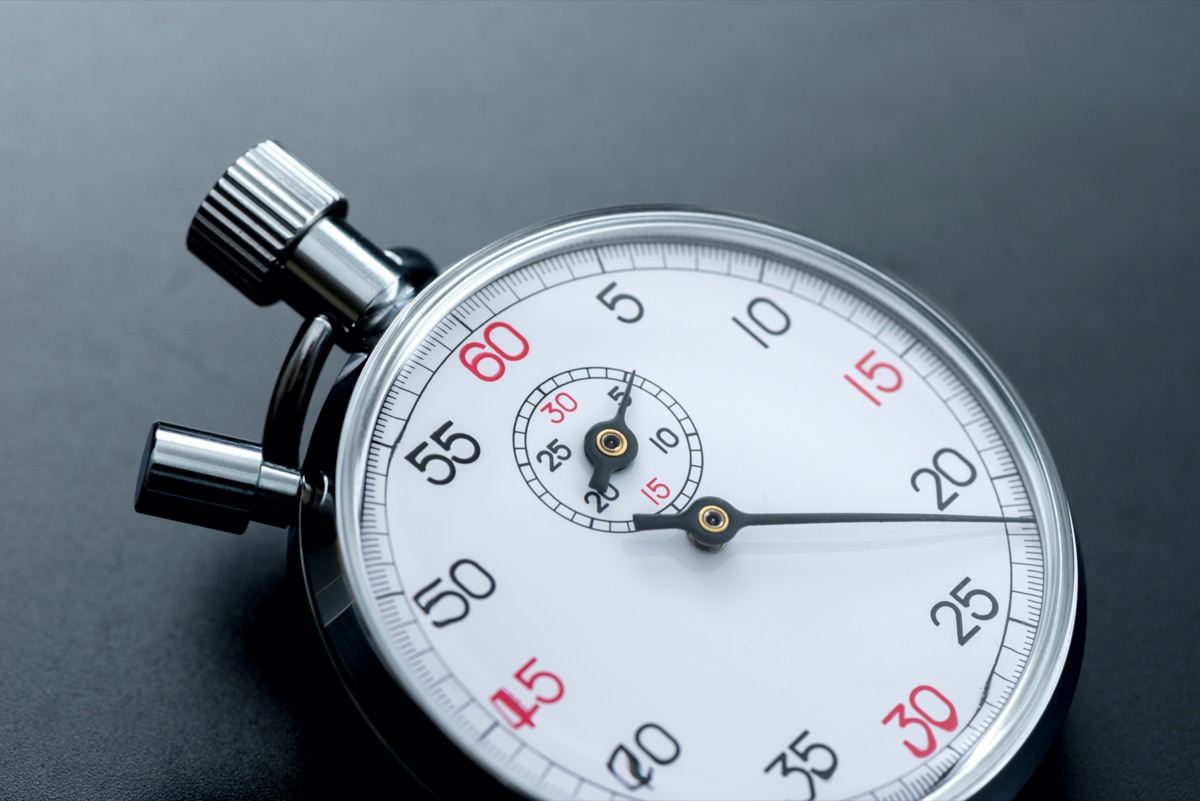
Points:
[[511, 348]]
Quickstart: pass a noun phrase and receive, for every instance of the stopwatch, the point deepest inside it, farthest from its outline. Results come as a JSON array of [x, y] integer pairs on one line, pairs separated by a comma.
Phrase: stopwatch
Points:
[[646, 502]]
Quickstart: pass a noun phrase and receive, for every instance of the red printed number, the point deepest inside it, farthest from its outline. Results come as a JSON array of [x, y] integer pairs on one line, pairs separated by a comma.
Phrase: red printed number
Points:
[[661, 491], [510, 708], [878, 372], [501, 343], [949, 722], [558, 409]]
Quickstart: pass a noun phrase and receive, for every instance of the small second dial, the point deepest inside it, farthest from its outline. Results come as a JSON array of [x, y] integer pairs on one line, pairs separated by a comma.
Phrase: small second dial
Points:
[[550, 444]]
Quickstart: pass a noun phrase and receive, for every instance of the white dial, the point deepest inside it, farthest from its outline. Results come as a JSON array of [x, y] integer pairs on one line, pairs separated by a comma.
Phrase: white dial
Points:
[[820, 553]]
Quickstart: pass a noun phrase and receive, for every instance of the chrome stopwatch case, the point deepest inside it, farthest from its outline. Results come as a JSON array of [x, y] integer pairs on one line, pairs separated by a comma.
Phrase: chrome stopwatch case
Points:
[[647, 503]]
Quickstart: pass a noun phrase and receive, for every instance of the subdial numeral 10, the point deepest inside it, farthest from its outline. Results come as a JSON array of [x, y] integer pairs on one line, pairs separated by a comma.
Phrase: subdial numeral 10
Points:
[[509, 707], [664, 439], [650, 741], [822, 766]]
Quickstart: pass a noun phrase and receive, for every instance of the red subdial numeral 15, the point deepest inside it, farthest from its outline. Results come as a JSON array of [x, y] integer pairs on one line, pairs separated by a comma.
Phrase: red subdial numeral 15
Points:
[[510, 708], [656, 491], [886, 376]]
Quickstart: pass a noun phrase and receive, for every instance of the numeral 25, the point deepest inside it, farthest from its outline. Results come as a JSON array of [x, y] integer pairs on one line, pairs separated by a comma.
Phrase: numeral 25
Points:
[[964, 601]]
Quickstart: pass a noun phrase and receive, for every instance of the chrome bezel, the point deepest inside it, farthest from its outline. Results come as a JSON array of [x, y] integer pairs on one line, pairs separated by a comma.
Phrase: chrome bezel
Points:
[[1001, 756]]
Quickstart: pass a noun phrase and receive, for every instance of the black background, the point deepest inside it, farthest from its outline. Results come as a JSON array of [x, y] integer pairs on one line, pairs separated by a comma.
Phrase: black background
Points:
[[1033, 168]]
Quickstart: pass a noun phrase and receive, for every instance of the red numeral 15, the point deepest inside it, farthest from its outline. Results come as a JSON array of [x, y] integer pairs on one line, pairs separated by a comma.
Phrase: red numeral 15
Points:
[[873, 372]]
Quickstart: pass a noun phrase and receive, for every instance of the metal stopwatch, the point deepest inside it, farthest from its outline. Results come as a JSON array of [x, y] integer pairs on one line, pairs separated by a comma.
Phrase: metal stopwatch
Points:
[[646, 503]]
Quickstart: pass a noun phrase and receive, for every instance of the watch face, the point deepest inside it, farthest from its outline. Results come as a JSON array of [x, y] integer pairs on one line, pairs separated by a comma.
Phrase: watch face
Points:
[[676, 504]]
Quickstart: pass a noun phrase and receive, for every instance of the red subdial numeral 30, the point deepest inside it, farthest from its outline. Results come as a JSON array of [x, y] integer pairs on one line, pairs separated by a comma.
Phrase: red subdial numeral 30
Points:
[[878, 372], [510, 708], [494, 351], [949, 721], [558, 408]]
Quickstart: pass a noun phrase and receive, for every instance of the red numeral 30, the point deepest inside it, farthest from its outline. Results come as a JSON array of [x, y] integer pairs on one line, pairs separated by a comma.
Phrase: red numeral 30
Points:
[[947, 723]]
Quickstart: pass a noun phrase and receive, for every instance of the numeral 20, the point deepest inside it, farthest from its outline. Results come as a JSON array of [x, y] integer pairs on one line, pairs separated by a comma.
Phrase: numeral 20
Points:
[[964, 601], [947, 723], [610, 493], [494, 353], [650, 739], [954, 476]]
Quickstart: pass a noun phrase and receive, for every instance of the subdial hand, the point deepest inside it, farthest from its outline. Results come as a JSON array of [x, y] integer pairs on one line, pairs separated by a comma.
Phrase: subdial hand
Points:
[[711, 522], [610, 445]]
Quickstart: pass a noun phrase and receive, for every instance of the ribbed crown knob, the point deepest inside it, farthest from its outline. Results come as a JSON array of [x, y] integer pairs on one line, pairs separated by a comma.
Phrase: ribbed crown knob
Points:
[[251, 220]]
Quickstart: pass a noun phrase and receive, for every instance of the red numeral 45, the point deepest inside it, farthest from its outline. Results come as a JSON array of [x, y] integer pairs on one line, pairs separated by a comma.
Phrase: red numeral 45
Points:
[[509, 706]]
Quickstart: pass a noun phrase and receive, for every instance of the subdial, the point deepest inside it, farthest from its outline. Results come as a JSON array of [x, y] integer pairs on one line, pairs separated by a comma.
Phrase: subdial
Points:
[[553, 426]]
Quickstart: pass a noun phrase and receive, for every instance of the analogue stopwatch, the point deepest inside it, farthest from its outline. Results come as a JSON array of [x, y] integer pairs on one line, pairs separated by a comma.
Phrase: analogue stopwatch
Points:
[[645, 503]]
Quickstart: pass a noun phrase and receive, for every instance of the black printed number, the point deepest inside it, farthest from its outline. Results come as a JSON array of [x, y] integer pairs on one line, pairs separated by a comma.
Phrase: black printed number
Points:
[[633, 306], [467, 453], [950, 465], [554, 454], [962, 601], [599, 498], [651, 742], [819, 760], [470, 577]]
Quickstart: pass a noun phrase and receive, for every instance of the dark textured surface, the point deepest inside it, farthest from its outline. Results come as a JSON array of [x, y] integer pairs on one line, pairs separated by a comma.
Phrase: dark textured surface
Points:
[[1033, 168]]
